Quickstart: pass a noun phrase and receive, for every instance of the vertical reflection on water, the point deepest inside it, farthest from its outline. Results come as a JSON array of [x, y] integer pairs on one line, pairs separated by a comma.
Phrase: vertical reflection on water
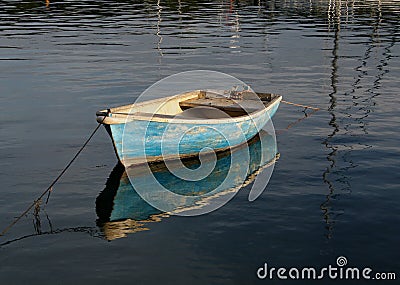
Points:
[[349, 120], [232, 20], [326, 205], [158, 33], [37, 225], [365, 103], [235, 30]]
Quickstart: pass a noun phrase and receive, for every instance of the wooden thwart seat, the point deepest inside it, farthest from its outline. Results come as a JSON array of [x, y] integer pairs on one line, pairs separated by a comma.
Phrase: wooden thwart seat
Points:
[[223, 104]]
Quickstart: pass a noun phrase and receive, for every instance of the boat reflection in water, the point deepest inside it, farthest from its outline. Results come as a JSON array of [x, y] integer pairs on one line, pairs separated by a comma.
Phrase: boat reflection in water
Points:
[[121, 210]]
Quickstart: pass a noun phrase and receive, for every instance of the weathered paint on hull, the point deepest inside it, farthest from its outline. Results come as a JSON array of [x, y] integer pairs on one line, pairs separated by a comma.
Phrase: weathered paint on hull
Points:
[[161, 139]]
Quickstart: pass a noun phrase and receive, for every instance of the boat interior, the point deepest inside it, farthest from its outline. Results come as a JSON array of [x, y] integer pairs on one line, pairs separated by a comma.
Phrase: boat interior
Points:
[[197, 104]]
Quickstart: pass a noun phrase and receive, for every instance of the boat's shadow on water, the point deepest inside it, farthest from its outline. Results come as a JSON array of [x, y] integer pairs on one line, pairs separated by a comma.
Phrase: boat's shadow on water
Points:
[[121, 210]]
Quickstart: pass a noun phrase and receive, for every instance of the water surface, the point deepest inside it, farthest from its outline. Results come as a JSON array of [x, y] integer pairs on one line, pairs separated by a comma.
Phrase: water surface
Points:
[[334, 191]]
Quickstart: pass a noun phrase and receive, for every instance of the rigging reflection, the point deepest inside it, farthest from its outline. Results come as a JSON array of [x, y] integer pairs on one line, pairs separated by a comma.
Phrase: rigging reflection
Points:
[[349, 110]]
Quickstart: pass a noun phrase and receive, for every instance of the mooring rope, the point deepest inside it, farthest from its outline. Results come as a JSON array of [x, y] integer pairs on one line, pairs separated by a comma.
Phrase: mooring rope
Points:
[[306, 115], [299, 105], [36, 203]]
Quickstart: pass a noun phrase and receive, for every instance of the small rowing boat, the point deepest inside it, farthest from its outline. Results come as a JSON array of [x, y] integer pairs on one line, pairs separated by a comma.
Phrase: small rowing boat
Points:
[[186, 124]]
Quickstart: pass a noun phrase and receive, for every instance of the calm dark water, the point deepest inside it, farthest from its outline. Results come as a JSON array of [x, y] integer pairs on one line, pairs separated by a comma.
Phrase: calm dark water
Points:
[[334, 191]]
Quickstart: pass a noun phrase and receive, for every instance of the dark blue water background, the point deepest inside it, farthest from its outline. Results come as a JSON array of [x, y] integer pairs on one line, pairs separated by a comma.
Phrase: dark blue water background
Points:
[[334, 191]]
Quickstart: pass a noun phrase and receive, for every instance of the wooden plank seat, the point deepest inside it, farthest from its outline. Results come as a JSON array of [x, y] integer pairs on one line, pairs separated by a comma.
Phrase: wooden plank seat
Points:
[[230, 106]]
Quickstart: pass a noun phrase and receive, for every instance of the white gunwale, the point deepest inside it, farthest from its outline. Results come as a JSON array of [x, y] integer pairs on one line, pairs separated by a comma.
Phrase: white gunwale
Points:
[[166, 109]]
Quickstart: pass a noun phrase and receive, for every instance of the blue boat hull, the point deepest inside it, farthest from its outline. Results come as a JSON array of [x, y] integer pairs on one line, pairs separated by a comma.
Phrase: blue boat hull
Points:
[[141, 141]]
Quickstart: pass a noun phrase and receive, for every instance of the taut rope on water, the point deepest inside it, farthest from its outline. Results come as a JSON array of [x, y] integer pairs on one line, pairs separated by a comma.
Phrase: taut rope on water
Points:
[[299, 105], [36, 203], [307, 115]]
